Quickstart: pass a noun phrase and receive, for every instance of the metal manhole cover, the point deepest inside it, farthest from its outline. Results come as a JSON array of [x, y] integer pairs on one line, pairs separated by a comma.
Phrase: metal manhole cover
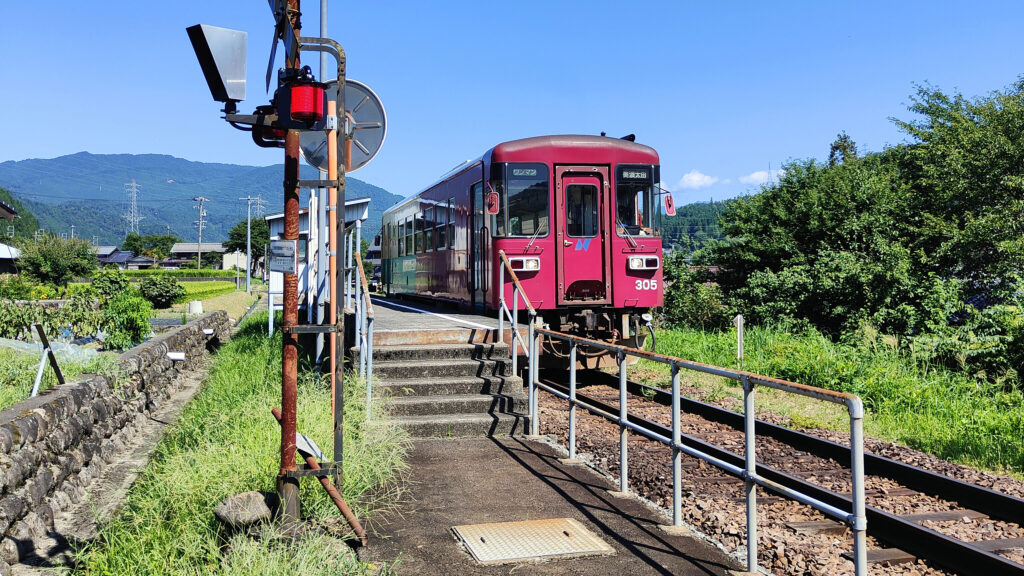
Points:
[[503, 542]]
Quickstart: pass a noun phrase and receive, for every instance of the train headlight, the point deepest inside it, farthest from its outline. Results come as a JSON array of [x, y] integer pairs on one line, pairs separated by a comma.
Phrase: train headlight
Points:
[[525, 264], [644, 263]]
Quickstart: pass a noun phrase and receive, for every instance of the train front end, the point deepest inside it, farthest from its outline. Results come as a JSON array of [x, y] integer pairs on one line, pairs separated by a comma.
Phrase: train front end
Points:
[[579, 221]]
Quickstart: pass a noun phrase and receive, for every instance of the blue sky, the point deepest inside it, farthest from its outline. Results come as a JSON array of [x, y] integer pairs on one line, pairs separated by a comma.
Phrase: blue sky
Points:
[[724, 91]]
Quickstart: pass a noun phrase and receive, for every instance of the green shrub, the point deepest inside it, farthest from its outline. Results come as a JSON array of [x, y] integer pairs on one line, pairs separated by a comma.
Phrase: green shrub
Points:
[[690, 301], [16, 286], [111, 282], [126, 321], [183, 273], [161, 291]]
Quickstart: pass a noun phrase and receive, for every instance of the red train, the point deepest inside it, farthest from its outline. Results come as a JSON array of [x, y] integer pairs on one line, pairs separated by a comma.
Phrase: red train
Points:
[[577, 217]]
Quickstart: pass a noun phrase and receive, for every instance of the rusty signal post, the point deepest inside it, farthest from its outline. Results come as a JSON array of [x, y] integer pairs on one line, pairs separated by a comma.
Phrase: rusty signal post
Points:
[[298, 106]]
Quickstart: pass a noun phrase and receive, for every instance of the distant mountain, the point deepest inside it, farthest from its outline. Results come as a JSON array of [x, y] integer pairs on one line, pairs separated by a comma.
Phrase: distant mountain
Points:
[[87, 191]]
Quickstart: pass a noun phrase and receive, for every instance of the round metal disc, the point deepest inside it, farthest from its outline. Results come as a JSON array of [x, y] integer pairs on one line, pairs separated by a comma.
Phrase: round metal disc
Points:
[[365, 121]]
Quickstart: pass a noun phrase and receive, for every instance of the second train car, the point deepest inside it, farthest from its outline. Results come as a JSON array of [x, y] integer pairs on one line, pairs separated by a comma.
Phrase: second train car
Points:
[[577, 217]]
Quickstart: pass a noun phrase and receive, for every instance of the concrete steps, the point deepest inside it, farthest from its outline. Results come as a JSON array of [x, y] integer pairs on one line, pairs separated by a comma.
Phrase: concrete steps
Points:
[[449, 383]]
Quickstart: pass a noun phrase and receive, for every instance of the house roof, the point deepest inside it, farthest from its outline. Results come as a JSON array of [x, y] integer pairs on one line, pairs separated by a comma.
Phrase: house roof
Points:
[[102, 251], [8, 252], [7, 212], [193, 247], [116, 257]]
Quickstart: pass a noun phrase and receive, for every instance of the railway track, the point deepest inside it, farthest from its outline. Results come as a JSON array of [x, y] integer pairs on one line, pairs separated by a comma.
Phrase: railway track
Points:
[[808, 460]]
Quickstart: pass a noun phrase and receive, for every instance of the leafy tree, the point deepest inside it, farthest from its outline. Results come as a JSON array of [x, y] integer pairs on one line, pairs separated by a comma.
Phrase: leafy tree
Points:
[[55, 260], [156, 246], [843, 149], [260, 233], [967, 169]]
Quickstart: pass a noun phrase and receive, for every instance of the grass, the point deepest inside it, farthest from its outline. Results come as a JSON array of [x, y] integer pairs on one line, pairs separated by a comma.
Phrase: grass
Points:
[[932, 409], [18, 373], [227, 442], [205, 290], [235, 303]]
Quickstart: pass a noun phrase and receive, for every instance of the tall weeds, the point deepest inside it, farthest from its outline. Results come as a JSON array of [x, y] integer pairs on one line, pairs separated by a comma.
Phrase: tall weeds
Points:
[[228, 442], [910, 399]]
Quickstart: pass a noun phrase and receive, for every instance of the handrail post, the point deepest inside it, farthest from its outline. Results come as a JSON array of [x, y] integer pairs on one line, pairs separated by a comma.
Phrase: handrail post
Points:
[[623, 430], [531, 373], [749, 420], [677, 455], [572, 400], [860, 547], [501, 299], [514, 319]]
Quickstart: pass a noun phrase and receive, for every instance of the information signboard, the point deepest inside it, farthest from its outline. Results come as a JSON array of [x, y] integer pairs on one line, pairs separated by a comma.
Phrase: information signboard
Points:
[[283, 256]]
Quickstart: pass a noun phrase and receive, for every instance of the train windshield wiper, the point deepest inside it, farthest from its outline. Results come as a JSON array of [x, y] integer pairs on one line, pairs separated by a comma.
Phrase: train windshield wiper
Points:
[[534, 237], [629, 237]]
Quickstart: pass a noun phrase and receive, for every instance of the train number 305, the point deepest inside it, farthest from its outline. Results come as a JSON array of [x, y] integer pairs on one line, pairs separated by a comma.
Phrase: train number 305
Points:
[[646, 284]]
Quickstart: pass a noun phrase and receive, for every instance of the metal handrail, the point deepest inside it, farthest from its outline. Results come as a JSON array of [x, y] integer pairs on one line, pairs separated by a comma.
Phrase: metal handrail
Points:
[[855, 519], [364, 329], [503, 311]]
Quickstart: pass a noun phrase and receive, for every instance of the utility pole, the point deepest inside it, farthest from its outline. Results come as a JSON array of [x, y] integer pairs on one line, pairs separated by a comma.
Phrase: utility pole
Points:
[[248, 235], [200, 225], [288, 485]]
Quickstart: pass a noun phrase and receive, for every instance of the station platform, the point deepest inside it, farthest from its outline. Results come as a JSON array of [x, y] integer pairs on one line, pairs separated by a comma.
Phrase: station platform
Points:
[[462, 489], [399, 321], [469, 481]]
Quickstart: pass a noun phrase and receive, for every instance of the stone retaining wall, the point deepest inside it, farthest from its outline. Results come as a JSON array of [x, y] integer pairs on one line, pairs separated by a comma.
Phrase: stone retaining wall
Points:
[[52, 445]]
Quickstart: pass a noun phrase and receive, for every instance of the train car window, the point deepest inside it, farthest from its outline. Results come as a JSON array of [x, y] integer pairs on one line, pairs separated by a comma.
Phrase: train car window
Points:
[[581, 210], [636, 205], [428, 229], [409, 236], [528, 194], [401, 238], [451, 222], [441, 213], [419, 233]]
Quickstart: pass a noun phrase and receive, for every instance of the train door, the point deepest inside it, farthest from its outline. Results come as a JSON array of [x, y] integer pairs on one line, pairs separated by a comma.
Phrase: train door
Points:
[[477, 246], [582, 243]]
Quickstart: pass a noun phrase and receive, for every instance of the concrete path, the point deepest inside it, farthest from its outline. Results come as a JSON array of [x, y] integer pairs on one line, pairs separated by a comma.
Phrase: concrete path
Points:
[[483, 480]]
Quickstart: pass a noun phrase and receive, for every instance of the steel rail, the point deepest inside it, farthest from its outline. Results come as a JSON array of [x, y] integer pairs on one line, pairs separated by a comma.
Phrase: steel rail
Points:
[[910, 537]]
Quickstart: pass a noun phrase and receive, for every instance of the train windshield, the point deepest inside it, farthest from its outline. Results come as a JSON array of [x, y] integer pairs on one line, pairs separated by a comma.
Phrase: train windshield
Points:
[[525, 210], [636, 203]]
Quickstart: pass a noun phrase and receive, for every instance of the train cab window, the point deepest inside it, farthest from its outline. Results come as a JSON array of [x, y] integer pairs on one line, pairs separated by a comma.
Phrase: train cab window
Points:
[[527, 200], [581, 210], [636, 203], [451, 222]]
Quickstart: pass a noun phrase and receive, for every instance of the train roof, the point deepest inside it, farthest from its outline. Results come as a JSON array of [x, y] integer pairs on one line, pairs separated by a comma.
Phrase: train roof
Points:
[[622, 150], [571, 142]]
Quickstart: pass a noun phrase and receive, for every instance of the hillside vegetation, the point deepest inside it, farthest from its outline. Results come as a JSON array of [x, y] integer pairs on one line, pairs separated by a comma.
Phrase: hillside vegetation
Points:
[[87, 190], [922, 243]]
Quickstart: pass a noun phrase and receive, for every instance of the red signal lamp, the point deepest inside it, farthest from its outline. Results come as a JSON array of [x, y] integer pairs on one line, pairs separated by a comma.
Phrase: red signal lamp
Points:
[[307, 101]]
